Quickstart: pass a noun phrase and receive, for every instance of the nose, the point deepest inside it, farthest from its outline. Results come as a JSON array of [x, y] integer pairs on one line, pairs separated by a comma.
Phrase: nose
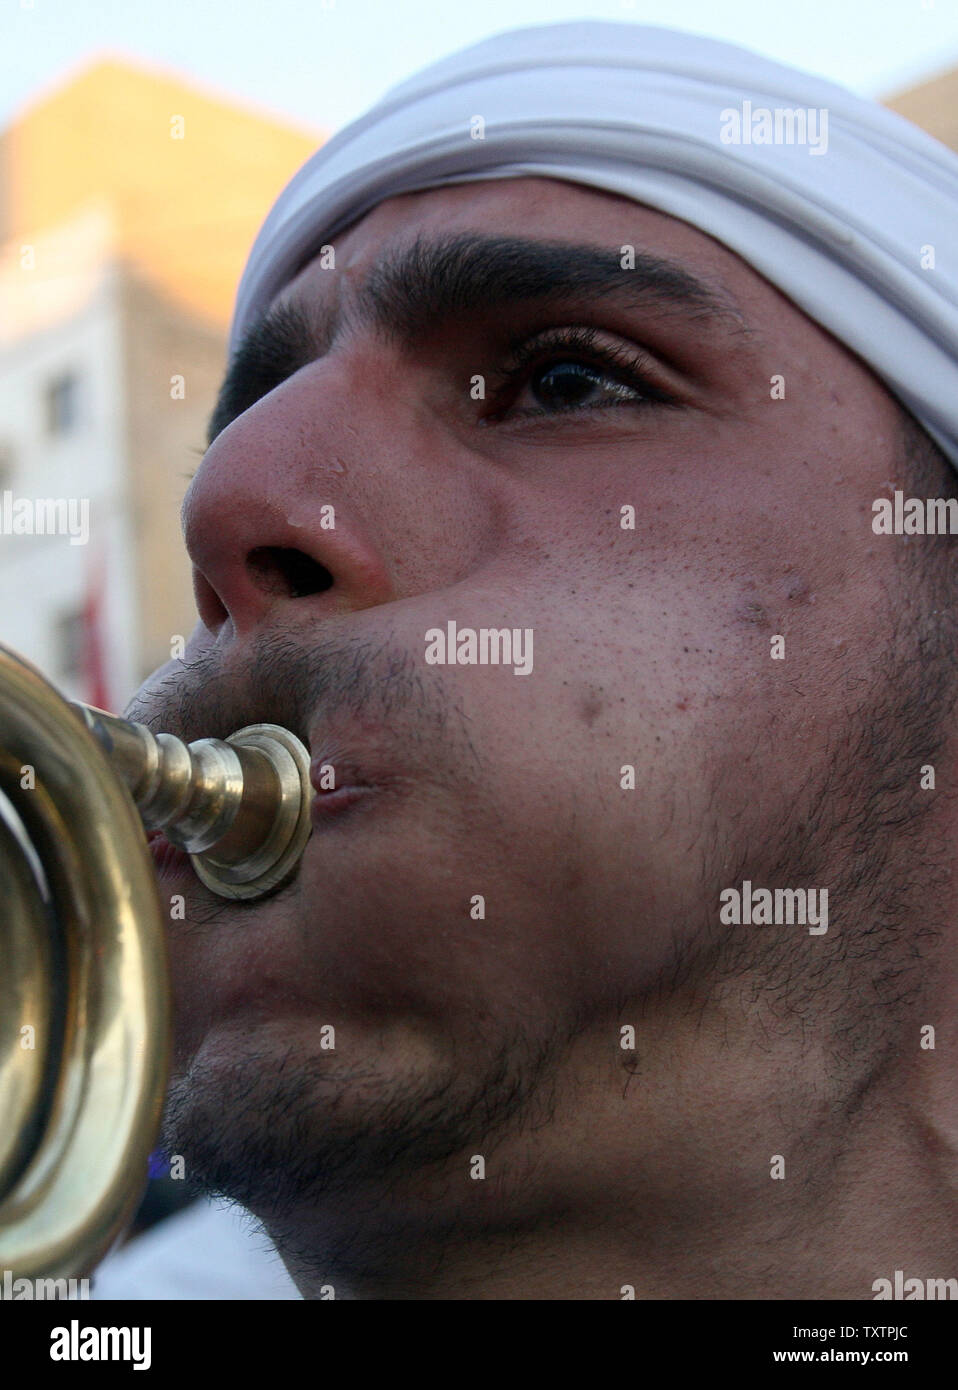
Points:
[[272, 517]]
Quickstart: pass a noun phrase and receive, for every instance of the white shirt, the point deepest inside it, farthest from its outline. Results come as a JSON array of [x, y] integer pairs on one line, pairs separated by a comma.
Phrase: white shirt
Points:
[[208, 1251]]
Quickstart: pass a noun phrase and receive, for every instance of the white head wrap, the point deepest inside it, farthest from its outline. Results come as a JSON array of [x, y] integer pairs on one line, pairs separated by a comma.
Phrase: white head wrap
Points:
[[857, 224]]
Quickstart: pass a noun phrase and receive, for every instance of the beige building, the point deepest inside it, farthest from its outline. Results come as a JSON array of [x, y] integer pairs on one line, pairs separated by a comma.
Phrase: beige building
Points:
[[933, 105], [128, 203]]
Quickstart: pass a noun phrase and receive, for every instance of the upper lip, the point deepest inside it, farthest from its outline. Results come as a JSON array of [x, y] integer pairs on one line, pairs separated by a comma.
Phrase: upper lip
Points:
[[359, 749], [346, 774], [234, 709], [336, 747]]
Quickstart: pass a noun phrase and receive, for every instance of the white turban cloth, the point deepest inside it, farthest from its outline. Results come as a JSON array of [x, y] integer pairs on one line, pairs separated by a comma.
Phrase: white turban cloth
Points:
[[856, 222]]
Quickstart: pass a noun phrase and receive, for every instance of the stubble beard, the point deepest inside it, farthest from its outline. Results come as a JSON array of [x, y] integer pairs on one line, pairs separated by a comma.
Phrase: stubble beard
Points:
[[283, 1134]]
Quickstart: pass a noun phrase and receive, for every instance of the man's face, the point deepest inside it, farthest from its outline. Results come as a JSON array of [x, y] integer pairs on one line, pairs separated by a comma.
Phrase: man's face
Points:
[[495, 899]]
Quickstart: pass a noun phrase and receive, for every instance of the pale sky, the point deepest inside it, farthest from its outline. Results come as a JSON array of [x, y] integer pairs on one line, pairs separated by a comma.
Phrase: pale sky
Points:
[[322, 62]]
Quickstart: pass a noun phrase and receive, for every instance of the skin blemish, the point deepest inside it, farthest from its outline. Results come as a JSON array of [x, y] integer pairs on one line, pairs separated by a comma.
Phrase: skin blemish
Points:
[[751, 611], [591, 705], [796, 589]]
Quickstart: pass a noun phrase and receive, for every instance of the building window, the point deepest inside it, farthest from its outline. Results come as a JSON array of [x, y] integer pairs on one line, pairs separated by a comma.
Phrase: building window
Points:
[[63, 403], [70, 643]]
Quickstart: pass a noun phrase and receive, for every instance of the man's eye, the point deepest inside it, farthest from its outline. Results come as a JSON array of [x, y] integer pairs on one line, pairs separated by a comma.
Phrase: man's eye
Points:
[[567, 371], [573, 385]]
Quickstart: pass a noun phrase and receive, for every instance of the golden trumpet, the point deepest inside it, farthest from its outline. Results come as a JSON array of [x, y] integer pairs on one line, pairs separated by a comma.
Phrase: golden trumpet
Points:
[[85, 1014]]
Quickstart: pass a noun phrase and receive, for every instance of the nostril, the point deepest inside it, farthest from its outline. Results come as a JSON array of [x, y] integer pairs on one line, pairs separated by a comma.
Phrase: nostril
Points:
[[277, 570]]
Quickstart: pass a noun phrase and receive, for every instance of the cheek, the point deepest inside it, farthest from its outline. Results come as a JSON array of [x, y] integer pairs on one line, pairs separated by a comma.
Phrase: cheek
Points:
[[767, 607]]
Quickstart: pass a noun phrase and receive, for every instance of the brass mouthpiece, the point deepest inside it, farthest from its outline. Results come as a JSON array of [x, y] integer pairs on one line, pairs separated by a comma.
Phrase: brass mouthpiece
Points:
[[239, 807]]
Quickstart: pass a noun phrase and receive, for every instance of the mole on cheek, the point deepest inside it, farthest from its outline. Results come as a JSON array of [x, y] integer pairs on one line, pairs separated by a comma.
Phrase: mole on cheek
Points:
[[590, 705]]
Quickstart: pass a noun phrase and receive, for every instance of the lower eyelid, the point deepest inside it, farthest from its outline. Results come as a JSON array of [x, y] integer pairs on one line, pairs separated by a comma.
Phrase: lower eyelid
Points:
[[525, 418], [567, 412]]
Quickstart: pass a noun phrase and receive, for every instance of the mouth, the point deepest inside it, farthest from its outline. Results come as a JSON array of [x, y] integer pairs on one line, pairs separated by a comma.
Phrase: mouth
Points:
[[337, 786], [168, 859]]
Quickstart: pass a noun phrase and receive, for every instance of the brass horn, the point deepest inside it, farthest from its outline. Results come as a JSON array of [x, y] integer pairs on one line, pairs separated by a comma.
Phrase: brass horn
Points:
[[84, 987]]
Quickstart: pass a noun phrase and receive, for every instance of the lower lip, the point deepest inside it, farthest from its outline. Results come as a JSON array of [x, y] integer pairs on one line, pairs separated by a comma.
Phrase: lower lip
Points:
[[328, 804]]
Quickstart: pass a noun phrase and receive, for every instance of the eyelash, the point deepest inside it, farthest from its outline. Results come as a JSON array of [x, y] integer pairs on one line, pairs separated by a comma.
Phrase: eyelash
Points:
[[562, 344]]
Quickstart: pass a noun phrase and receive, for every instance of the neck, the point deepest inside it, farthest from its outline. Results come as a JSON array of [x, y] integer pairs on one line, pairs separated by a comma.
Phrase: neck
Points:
[[711, 1170]]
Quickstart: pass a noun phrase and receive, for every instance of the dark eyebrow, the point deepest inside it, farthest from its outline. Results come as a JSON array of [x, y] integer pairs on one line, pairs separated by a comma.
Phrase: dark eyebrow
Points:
[[418, 287]]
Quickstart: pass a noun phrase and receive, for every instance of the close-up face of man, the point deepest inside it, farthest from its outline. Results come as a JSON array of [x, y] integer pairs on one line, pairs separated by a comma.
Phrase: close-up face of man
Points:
[[495, 1039]]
